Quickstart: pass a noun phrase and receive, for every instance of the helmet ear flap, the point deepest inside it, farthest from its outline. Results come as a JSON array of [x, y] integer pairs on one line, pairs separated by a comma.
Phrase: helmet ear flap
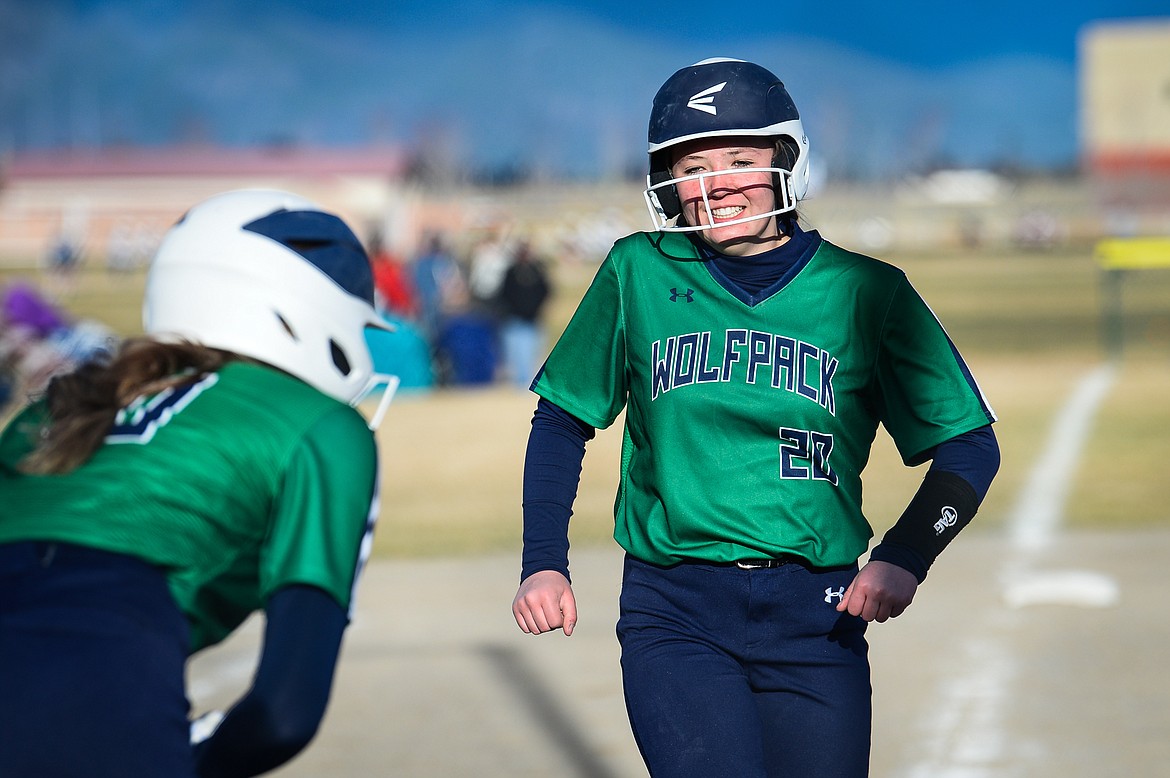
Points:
[[668, 195], [786, 154], [784, 157]]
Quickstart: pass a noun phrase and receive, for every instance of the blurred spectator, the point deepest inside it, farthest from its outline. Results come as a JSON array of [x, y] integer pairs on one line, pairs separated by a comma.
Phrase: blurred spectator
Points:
[[128, 247], [64, 254], [392, 286], [403, 352], [523, 294], [23, 306], [462, 338], [489, 261], [38, 341], [119, 249], [438, 285], [466, 353], [62, 260], [1038, 230]]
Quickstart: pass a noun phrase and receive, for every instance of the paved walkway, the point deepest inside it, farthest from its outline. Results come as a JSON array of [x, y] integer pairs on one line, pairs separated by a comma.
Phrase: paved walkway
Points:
[[1056, 671]]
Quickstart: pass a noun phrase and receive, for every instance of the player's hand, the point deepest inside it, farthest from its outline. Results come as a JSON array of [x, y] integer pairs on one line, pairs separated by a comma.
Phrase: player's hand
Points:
[[880, 591], [545, 602]]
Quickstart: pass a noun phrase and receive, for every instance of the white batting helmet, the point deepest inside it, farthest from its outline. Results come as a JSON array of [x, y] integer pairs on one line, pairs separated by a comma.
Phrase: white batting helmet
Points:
[[271, 276]]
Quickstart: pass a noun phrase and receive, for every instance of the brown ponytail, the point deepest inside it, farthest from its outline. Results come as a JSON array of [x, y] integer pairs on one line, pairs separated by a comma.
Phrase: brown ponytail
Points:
[[82, 404]]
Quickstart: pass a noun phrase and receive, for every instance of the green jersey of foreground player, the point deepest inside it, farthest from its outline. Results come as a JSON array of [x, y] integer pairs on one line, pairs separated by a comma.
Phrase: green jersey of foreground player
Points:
[[210, 469], [754, 361]]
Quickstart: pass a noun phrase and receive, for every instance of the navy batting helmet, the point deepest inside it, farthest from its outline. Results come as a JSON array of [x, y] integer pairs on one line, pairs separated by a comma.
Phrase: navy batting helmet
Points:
[[718, 98]]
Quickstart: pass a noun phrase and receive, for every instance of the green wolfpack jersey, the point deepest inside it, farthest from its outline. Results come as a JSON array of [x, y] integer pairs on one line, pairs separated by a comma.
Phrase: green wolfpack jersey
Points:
[[748, 425], [242, 483]]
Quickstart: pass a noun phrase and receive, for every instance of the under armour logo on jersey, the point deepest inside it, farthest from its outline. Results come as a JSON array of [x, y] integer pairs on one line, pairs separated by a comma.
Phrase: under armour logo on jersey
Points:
[[948, 519], [705, 101], [830, 594], [675, 295]]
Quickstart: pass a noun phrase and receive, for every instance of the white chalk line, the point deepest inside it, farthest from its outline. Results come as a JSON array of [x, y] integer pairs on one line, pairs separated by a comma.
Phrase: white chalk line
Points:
[[964, 734], [1040, 507]]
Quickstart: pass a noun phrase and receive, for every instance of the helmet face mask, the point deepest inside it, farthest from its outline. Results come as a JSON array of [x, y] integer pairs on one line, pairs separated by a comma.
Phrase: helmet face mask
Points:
[[270, 276], [665, 205], [715, 99]]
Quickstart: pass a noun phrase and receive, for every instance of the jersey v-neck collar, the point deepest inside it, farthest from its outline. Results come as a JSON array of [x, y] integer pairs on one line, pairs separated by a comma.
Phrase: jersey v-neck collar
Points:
[[793, 256]]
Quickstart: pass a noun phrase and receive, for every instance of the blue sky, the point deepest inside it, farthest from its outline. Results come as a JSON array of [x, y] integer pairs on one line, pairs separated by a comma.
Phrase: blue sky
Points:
[[920, 33]]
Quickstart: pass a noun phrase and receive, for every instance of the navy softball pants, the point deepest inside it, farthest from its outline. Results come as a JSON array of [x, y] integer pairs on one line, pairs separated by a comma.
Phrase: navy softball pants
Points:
[[92, 655], [746, 673]]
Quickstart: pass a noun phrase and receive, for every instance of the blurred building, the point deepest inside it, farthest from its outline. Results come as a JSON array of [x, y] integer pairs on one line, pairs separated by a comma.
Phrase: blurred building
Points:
[[1125, 121], [115, 204]]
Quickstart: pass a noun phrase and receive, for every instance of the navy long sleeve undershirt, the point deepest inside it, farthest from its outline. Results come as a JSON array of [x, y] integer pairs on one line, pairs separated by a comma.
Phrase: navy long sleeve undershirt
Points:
[[552, 472], [280, 714]]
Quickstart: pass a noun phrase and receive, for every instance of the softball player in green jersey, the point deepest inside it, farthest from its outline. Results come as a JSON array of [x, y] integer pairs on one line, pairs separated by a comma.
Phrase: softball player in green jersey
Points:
[[209, 470], [754, 361]]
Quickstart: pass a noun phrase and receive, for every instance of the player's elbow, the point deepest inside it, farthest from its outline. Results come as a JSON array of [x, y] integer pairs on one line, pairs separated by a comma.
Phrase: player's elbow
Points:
[[282, 733]]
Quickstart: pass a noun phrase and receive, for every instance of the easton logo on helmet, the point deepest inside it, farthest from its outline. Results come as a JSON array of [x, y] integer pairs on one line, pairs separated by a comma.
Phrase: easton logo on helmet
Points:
[[705, 101]]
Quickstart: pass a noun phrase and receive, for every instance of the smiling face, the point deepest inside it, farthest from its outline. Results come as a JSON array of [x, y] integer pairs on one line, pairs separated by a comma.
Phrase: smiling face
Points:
[[733, 196]]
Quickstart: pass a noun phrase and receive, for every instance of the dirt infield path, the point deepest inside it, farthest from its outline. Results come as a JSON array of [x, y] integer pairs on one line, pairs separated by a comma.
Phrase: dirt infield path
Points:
[[1054, 670]]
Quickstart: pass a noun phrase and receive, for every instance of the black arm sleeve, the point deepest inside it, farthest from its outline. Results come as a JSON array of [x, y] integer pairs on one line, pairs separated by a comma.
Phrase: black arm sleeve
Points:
[[947, 500], [552, 472], [943, 505], [280, 714]]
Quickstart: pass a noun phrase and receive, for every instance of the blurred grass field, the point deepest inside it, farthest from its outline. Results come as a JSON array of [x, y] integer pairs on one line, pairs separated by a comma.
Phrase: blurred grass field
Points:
[[1029, 325]]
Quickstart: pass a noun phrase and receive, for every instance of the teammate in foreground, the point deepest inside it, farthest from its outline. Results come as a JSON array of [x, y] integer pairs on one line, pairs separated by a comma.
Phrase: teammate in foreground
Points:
[[212, 468], [754, 361]]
